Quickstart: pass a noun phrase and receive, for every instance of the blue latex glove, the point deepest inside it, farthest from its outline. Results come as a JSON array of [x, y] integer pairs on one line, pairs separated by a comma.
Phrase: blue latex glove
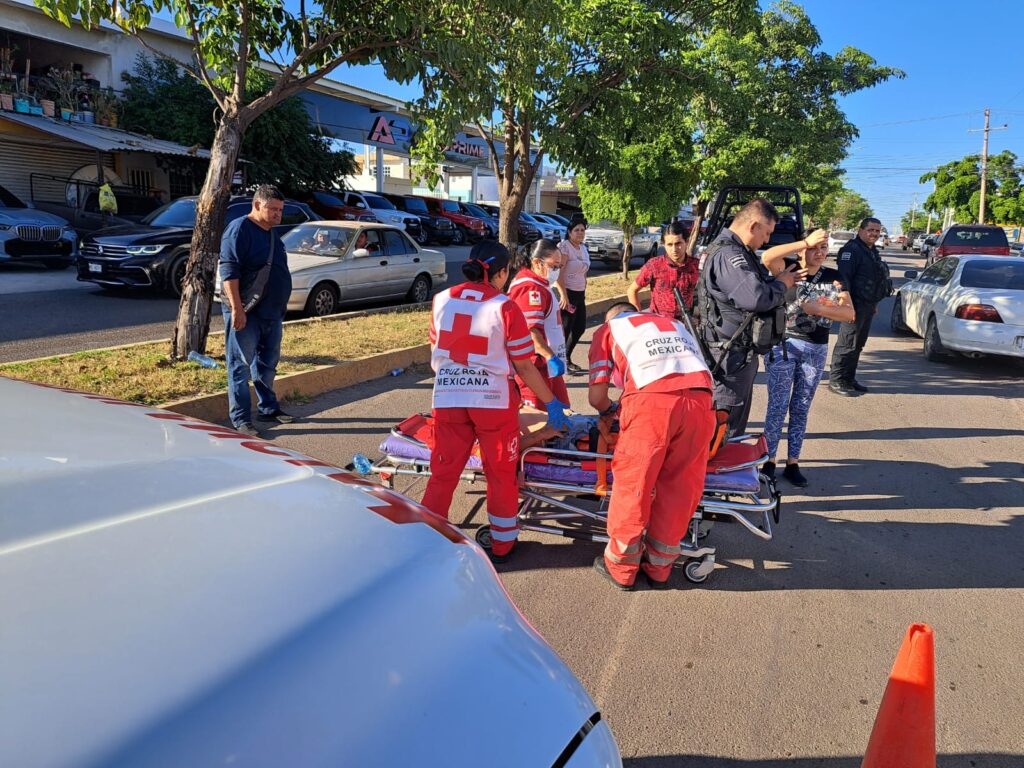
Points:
[[556, 416], [556, 366]]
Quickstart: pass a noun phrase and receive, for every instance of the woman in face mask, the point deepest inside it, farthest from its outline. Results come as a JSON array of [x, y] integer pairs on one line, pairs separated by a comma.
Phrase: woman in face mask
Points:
[[531, 291]]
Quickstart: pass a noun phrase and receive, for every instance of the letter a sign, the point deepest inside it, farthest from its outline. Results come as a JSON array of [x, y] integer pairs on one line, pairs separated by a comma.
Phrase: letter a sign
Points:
[[381, 131]]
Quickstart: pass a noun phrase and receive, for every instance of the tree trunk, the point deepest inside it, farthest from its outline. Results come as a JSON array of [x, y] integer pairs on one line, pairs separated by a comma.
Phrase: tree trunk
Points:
[[698, 218], [514, 185], [193, 324], [628, 229]]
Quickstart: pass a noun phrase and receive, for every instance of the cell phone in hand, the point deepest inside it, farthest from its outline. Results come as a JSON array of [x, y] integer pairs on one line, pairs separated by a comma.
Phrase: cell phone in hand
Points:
[[570, 308]]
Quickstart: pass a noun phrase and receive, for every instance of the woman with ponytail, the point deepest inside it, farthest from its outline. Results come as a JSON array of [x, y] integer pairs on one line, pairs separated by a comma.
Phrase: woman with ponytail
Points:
[[531, 291], [479, 340]]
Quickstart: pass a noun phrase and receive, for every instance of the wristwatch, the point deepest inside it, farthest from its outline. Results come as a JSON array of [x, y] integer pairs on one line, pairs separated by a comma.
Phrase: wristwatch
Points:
[[609, 410]]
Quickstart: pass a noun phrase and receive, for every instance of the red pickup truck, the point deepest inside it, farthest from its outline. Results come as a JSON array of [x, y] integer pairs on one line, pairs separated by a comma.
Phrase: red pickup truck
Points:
[[467, 228]]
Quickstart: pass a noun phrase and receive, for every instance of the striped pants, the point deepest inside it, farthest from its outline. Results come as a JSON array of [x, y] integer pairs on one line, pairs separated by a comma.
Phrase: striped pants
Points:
[[658, 469], [791, 387], [497, 430]]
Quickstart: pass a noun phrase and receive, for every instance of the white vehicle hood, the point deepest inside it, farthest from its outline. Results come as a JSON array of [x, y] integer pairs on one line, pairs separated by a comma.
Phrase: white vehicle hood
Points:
[[300, 261], [175, 594]]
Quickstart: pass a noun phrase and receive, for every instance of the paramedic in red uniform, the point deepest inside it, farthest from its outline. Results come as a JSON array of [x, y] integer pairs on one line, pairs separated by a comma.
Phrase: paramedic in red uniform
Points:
[[666, 423], [479, 338], [531, 291]]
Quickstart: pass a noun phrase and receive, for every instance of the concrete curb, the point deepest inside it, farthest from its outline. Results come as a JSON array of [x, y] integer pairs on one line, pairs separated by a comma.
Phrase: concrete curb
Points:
[[330, 377]]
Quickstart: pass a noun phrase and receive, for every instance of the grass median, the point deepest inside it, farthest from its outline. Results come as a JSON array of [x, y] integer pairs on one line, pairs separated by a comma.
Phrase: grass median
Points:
[[144, 373]]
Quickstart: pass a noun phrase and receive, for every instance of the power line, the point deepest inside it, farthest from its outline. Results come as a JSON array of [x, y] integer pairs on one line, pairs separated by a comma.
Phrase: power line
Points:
[[922, 119]]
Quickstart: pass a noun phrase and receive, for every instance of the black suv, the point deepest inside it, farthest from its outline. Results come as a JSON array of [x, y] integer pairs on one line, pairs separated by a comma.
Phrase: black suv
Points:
[[153, 254], [433, 229], [786, 200]]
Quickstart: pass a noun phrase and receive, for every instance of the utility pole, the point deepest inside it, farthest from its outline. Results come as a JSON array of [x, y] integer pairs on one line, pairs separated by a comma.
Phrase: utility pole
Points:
[[913, 209], [929, 227], [984, 161]]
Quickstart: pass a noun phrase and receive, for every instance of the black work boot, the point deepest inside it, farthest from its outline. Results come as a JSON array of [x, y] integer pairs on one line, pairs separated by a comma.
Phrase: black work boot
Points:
[[794, 475]]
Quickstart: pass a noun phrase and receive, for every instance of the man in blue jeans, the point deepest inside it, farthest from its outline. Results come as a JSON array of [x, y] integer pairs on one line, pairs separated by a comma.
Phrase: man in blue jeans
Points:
[[252, 340]]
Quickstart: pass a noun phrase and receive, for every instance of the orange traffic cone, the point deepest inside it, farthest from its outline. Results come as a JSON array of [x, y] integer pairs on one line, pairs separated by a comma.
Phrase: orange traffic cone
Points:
[[904, 731]]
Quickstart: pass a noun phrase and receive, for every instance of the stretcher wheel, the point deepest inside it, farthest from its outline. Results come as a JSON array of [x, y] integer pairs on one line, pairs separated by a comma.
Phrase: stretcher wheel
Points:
[[692, 572], [483, 536]]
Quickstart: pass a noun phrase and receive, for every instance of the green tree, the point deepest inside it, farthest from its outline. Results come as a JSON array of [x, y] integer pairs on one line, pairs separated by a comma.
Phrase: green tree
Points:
[[773, 114], [958, 186], [556, 77], [847, 209], [161, 100], [305, 43]]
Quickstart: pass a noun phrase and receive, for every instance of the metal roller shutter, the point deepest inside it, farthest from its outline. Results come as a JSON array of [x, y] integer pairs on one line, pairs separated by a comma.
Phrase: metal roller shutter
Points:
[[18, 160]]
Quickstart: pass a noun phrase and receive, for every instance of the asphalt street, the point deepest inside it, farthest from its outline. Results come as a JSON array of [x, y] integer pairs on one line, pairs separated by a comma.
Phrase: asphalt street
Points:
[[50, 313], [915, 512]]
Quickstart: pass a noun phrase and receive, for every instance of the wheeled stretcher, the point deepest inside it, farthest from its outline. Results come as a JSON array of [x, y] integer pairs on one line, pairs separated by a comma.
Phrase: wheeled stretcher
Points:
[[565, 483]]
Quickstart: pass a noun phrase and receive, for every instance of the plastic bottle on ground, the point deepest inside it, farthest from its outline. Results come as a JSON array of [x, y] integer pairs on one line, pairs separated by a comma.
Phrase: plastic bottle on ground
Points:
[[203, 360], [396, 372]]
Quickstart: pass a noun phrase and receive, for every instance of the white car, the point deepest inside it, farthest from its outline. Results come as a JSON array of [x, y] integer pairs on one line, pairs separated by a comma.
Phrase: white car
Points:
[[350, 262], [174, 593], [836, 240], [968, 304], [918, 243], [382, 208], [605, 242]]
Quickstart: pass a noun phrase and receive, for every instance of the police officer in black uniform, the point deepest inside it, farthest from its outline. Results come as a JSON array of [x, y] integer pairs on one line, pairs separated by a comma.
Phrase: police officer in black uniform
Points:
[[863, 270], [733, 284]]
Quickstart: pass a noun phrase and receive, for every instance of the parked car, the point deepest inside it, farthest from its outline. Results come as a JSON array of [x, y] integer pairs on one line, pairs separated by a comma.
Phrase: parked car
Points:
[[546, 228], [972, 304], [27, 234], [729, 200], [528, 233], [78, 202], [467, 228], [1016, 248], [384, 211], [332, 205], [605, 243], [559, 227], [837, 239], [350, 262], [559, 218], [433, 229], [153, 254], [918, 242], [883, 241], [969, 238], [177, 594], [471, 209]]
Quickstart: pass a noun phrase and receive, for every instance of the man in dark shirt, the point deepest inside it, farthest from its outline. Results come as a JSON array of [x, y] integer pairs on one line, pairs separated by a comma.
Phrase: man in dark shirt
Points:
[[252, 339], [867, 277], [735, 283], [663, 274]]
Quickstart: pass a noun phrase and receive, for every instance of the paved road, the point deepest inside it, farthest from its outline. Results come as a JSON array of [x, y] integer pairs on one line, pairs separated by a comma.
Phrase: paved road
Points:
[[915, 512], [51, 313]]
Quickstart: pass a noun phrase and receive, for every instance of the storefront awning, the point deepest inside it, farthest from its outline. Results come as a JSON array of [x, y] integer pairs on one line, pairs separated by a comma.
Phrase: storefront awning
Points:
[[102, 138]]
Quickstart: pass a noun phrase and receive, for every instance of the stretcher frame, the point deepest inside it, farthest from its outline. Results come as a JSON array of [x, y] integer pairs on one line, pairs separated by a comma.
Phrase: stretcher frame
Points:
[[545, 505]]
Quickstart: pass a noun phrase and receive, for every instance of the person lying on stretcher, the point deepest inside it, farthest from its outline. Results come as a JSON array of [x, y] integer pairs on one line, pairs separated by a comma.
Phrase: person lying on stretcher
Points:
[[665, 427]]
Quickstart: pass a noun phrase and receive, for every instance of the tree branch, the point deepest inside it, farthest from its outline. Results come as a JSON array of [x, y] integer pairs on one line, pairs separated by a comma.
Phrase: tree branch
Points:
[[490, 145], [201, 66], [242, 65]]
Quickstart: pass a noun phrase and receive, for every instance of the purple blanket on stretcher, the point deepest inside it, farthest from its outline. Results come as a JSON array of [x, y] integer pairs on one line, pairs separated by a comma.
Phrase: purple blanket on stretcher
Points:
[[741, 481]]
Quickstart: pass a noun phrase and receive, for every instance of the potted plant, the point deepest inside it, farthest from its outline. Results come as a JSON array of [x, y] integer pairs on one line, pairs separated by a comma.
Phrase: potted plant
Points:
[[62, 83], [105, 104], [8, 80]]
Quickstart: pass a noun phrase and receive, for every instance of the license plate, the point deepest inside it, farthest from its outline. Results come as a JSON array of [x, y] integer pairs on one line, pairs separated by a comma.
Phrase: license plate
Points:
[[95, 267], [1019, 342]]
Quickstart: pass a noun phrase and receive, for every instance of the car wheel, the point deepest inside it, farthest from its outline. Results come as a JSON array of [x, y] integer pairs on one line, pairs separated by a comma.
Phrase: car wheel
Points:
[[420, 290], [933, 350], [176, 274], [459, 238], [322, 301], [421, 238], [483, 536], [56, 264], [897, 322]]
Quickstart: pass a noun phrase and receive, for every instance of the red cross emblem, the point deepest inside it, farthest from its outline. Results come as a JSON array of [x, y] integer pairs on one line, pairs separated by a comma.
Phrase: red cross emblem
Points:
[[661, 323], [459, 342]]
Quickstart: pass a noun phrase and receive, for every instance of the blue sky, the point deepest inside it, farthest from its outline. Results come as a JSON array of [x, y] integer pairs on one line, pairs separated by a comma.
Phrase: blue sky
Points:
[[960, 57]]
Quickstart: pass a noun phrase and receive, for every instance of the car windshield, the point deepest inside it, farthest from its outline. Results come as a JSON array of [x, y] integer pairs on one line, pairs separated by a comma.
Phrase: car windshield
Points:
[[476, 210], [376, 201], [991, 236], [8, 200], [179, 213], [1004, 275], [452, 206], [415, 205], [325, 199], [843, 235], [317, 239]]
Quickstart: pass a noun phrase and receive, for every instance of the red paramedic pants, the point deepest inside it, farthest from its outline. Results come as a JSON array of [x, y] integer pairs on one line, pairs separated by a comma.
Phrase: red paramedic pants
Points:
[[658, 469], [497, 431]]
